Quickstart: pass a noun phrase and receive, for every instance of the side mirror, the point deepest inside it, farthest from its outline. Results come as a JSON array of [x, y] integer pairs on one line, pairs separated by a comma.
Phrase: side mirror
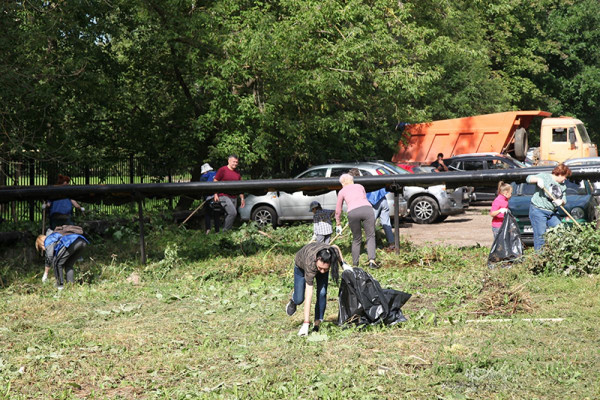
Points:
[[572, 136]]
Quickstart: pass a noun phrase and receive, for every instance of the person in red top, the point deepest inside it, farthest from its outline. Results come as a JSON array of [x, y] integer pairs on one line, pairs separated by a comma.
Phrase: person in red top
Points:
[[500, 206], [229, 201]]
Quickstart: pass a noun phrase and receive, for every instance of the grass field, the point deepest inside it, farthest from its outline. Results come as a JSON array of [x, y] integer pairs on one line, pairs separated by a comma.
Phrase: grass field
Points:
[[207, 320]]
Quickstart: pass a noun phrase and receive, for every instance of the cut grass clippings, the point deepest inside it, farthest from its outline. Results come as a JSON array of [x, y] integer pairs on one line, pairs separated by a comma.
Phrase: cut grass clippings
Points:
[[210, 323]]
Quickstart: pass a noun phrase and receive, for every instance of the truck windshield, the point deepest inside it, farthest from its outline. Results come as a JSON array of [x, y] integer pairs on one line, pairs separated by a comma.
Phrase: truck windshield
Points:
[[583, 132]]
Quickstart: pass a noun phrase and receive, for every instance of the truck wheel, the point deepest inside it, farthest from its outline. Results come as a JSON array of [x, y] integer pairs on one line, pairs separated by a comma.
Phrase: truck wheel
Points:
[[264, 215], [424, 210], [521, 144]]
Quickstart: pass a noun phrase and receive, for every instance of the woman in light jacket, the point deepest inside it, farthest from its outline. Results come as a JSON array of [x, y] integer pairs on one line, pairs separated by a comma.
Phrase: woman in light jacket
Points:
[[360, 212]]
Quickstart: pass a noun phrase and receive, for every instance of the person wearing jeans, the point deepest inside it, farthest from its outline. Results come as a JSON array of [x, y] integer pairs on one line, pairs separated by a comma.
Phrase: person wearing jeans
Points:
[[313, 263], [381, 210], [548, 197]]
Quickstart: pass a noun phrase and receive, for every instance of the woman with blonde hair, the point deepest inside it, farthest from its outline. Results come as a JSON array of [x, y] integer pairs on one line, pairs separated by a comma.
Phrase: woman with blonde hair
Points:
[[360, 212]]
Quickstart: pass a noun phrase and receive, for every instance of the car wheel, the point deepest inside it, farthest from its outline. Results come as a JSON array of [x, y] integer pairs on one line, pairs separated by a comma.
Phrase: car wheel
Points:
[[264, 215], [521, 144], [424, 210]]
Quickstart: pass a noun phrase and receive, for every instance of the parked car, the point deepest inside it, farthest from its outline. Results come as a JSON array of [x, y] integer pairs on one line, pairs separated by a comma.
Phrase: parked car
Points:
[[585, 162], [482, 161], [276, 207], [435, 203], [581, 204]]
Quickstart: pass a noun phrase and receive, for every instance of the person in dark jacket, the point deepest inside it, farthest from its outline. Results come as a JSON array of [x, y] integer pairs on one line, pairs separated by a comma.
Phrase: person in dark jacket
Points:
[[61, 211], [61, 252], [208, 175]]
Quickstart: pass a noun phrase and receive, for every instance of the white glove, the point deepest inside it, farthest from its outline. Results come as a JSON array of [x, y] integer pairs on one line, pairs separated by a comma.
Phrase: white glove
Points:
[[338, 230], [346, 266], [313, 238], [304, 329], [558, 202], [540, 184], [503, 210], [82, 209], [44, 206]]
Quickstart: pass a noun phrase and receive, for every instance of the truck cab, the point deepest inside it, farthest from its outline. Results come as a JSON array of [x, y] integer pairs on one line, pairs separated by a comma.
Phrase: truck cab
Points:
[[565, 138]]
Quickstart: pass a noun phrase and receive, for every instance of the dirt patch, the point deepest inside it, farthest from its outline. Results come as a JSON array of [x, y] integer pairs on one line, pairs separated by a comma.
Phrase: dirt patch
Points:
[[472, 228]]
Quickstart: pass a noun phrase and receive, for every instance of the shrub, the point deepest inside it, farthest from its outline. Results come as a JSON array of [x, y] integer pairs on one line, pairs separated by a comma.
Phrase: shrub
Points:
[[570, 250]]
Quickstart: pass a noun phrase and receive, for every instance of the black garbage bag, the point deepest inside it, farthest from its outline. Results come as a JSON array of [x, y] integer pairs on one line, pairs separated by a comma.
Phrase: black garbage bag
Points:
[[507, 247], [363, 301]]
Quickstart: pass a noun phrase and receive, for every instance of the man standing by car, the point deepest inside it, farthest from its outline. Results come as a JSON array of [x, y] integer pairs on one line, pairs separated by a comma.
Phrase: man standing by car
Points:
[[229, 201], [439, 164]]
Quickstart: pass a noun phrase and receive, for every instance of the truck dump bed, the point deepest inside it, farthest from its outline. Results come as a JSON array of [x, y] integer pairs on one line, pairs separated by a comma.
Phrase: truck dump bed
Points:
[[477, 134]]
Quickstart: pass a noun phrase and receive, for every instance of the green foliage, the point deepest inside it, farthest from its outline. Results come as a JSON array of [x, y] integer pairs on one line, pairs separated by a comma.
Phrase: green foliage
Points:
[[570, 250], [284, 84]]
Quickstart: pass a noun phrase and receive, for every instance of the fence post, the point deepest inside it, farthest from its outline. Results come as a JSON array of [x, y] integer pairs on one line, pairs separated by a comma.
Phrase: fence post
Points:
[[31, 183], [170, 179], [87, 174], [142, 238], [131, 172]]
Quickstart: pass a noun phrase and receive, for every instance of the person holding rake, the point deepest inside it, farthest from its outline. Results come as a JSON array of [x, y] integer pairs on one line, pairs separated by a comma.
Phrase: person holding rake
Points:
[[548, 197]]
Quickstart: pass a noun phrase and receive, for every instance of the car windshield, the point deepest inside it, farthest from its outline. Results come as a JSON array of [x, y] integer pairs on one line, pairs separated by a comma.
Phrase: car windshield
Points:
[[395, 168], [573, 188], [519, 163]]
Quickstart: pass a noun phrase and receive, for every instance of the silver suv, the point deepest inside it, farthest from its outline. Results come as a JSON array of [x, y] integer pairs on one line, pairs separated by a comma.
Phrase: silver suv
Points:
[[276, 207]]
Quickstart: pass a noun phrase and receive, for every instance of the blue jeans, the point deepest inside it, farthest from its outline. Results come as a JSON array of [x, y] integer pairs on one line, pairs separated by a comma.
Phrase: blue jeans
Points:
[[382, 211], [300, 286], [540, 220]]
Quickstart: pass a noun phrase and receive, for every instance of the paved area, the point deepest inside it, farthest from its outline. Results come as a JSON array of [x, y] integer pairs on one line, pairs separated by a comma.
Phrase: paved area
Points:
[[469, 229]]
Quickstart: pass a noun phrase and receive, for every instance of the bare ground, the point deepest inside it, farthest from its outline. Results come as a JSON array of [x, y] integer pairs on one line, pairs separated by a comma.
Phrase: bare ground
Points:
[[468, 229]]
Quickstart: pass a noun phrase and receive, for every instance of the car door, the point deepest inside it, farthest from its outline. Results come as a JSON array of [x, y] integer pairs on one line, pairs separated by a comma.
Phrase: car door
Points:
[[330, 198], [295, 206]]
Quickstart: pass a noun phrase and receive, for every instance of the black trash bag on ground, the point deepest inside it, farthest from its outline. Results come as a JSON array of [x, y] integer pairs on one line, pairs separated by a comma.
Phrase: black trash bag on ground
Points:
[[363, 301], [507, 246]]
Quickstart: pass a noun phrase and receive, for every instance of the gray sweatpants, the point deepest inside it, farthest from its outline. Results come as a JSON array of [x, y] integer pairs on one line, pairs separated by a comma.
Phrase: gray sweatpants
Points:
[[66, 259], [365, 216], [230, 206]]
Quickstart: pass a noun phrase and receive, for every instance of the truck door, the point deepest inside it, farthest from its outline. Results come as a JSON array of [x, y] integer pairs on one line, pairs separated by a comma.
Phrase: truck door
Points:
[[565, 144]]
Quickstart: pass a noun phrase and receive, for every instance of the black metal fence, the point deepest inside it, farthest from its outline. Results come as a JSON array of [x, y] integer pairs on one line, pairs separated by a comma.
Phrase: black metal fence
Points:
[[30, 172]]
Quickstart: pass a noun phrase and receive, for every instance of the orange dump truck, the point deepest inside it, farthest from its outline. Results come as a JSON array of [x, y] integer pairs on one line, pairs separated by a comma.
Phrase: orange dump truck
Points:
[[561, 138]]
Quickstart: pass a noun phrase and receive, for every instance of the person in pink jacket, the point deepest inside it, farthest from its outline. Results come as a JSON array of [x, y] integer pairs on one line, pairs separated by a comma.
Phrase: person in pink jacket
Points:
[[360, 212], [500, 206]]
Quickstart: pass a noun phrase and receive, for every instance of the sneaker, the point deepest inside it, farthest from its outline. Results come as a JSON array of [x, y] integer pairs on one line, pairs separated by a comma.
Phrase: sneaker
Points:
[[44, 278], [290, 309], [373, 265], [60, 287]]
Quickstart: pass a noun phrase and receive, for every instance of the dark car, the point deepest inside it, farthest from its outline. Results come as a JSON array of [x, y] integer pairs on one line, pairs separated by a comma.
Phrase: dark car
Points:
[[482, 161], [581, 204]]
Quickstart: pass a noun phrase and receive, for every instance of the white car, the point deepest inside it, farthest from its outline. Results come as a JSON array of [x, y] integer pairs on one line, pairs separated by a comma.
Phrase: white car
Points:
[[276, 207]]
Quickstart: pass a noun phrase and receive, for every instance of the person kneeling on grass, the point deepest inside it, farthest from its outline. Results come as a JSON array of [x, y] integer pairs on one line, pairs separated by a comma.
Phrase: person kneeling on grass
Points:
[[313, 262]]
